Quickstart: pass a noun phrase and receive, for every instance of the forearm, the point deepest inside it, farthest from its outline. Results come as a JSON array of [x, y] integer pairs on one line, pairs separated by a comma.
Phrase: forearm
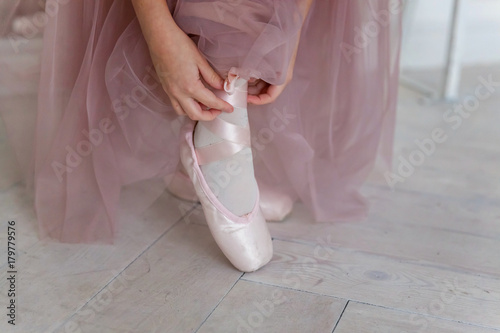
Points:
[[157, 24], [181, 68]]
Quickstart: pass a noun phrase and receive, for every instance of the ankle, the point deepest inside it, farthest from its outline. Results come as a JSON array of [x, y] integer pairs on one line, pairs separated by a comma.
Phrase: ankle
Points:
[[232, 178]]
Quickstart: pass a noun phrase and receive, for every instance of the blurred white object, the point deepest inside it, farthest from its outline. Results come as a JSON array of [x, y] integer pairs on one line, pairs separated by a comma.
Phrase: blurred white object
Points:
[[454, 46], [25, 25], [453, 69]]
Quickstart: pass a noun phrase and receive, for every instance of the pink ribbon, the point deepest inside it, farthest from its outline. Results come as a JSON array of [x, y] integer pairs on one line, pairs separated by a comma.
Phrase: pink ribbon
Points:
[[235, 137]]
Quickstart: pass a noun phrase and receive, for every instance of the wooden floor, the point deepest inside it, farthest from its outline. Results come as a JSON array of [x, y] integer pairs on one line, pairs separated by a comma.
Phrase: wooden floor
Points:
[[427, 259]]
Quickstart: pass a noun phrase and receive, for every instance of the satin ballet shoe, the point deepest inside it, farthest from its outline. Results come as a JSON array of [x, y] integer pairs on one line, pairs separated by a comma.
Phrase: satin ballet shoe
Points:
[[275, 206], [244, 240], [180, 186]]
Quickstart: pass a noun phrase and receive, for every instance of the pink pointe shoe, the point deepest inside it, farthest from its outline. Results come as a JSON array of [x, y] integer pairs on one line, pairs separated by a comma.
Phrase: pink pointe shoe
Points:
[[179, 185], [275, 206], [244, 240]]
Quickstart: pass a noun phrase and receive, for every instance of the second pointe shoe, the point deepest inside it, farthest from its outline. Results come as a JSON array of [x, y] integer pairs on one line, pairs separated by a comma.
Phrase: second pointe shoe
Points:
[[275, 205], [179, 185], [244, 240]]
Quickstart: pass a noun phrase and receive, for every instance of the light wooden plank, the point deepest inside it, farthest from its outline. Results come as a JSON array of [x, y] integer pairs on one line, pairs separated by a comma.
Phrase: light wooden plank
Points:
[[364, 318], [466, 162], [54, 280], [15, 205], [416, 286], [254, 307], [9, 168], [473, 214], [186, 276], [389, 237]]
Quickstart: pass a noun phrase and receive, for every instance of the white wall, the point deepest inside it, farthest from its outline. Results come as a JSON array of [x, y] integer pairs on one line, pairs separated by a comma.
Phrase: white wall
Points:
[[424, 45]]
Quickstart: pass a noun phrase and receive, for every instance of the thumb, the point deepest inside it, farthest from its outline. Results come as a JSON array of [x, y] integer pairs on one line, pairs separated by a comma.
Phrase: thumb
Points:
[[210, 76]]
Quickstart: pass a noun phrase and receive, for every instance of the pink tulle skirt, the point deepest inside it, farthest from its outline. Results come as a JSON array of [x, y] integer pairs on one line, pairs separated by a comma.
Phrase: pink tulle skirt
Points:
[[103, 122]]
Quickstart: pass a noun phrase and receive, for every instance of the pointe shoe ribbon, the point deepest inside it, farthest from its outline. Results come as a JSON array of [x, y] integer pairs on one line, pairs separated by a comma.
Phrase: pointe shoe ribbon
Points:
[[235, 137]]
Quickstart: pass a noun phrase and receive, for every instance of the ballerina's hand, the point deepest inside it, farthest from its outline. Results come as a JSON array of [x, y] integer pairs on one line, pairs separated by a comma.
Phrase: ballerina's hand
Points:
[[261, 92], [181, 68]]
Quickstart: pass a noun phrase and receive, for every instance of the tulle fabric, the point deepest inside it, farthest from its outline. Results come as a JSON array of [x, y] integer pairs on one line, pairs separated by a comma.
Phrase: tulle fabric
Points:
[[103, 121]]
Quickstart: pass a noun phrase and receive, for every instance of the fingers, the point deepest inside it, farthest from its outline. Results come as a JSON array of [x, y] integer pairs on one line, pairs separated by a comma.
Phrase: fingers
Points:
[[208, 98], [261, 92], [195, 112], [206, 109], [266, 97], [177, 107], [256, 87], [198, 103], [259, 99], [188, 91], [210, 76]]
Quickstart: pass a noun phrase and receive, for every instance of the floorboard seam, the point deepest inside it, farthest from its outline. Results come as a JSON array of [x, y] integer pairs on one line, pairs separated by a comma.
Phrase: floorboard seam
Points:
[[293, 289], [427, 315], [340, 317], [217, 305], [408, 260], [371, 304], [130, 263]]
